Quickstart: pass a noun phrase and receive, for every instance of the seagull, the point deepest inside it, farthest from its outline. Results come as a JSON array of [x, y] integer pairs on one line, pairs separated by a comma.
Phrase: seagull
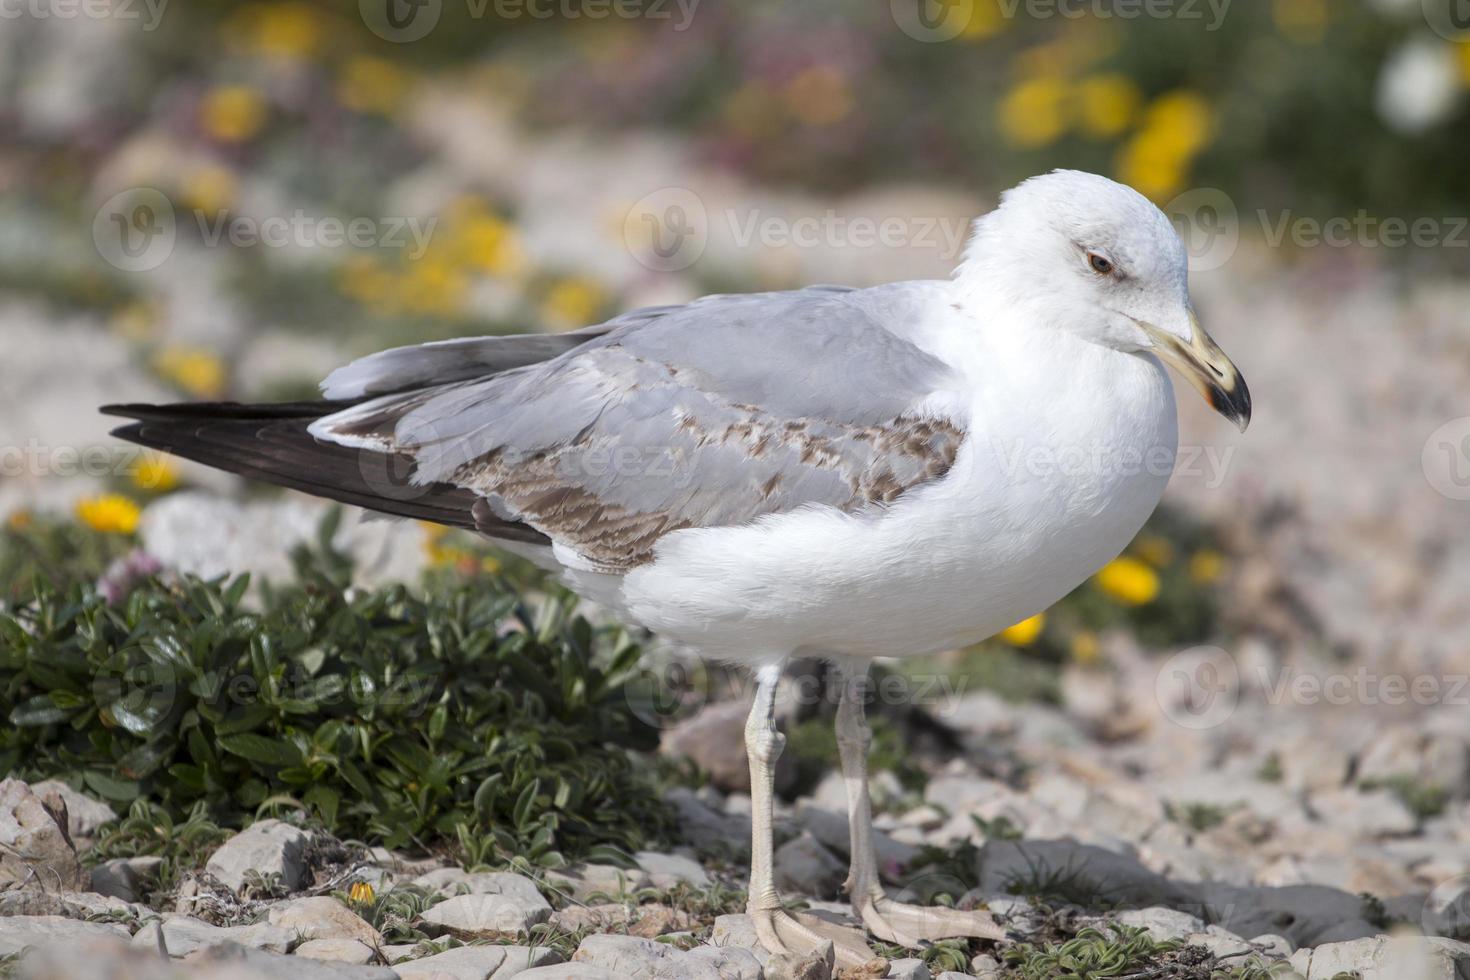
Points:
[[828, 471]]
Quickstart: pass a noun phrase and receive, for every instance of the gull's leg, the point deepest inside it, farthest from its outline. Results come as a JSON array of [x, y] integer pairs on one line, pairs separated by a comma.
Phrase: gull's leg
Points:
[[779, 931], [894, 922]]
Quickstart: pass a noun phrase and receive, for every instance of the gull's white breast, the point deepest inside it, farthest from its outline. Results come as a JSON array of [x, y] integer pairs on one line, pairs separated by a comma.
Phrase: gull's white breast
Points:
[[1069, 446]]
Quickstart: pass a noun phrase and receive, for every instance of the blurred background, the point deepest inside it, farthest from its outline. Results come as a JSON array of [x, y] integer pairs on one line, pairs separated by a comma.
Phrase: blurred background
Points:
[[210, 200]]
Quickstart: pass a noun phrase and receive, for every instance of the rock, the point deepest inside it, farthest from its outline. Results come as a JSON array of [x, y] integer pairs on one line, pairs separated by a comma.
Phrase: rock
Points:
[[84, 815], [486, 916], [183, 935], [95, 959], [593, 882], [569, 971], [668, 870], [1223, 943], [72, 905], [1373, 812], [985, 967], [1162, 923], [952, 975], [708, 830], [737, 931], [1273, 945], [243, 963], [267, 847], [805, 867], [35, 845], [322, 917], [477, 963], [1386, 958], [815, 965], [125, 878], [1301, 913], [598, 918], [830, 828], [1310, 762], [660, 920], [335, 950], [19, 932], [631, 957], [715, 740], [908, 969], [1093, 872], [452, 881]]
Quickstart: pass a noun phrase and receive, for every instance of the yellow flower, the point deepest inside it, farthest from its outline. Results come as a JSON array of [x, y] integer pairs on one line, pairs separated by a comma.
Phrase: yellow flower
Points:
[[1024, 633], [1106, 104], [819, 96], [1155, 549], [433, 285], [19, 520], [209, 189], [985, 19], [233, 113], [135, 321], [372, 85], [110, 513], [572, 302], [156, 473], [1206, 566], [361, 893], [1181, 120], [280, 30], [1128, 580], [489, 244], [1150, 167], [198, 372], [1033, 113], [1085, 647], [366, 281], [1303, 21]]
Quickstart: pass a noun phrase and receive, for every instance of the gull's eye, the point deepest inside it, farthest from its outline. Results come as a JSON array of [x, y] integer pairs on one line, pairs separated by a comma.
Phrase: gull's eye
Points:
[[1100, 265]]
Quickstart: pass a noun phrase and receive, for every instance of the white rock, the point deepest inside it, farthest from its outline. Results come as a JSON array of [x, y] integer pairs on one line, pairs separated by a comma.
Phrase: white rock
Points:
[[586, 882], [1386, 958], [569, 971], [908, 969], [84, 815], [1162, 923], [477, 963], [451, 881], [1273, 945], [21, 931], [1221, 942], [486, 916], [230, 961], [668, 870], [335, 950], [737, 931], [33, 845], [1374, 812], [322, 917], [124, 878], [629, 956], [267, 847], [183, 935]]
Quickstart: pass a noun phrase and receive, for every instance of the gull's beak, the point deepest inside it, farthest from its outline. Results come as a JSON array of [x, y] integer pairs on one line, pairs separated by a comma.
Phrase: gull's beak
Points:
[[1206, 367]]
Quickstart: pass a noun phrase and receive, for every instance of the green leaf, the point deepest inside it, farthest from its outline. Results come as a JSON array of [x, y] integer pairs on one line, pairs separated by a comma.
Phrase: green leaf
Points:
[[110, 787], [259, 748]]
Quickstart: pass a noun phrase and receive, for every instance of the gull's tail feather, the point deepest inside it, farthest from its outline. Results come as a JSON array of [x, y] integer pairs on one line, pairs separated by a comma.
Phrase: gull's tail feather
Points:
[[270, 442]]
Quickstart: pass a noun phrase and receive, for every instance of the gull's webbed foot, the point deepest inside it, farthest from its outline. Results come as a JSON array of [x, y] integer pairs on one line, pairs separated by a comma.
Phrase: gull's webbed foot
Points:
[[784, 933], [914, 925]]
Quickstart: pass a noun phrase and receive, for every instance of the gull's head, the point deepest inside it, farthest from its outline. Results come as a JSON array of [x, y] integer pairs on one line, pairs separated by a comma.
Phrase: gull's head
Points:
[[1094, 257]]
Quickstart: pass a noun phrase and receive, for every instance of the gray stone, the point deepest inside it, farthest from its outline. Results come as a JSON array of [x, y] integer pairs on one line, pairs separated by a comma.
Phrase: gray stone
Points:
[[715, 740], [183, 935], [591, 882], [830, 827], [729, 963], [267, 847], [322, 917], [1273, 945], [477, 963], [84, 815], [707, 829], [125, 878], [738, 931], [34, 842], [451, 881], [952, 975], [1386, 958], [1162, 923], [486, 916], [569, 971], [336, 950], [259, 963], [1113, 878], [1376, 812], [1223, 943], [97, 959], [668, 870], [814, 965], [805, 867], [598, 918], [644, 959], [20, 932], [908, 969]]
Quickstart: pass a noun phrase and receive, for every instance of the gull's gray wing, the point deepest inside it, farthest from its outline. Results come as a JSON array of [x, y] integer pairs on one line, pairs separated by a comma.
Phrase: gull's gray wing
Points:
[[710, 414]]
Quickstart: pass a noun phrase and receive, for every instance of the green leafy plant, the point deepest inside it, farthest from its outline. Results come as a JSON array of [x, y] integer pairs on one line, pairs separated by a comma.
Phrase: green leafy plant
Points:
[[467, 713]]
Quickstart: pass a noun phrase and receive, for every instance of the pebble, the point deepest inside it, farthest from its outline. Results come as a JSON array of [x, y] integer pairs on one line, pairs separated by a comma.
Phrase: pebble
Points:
[[267, 847]]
